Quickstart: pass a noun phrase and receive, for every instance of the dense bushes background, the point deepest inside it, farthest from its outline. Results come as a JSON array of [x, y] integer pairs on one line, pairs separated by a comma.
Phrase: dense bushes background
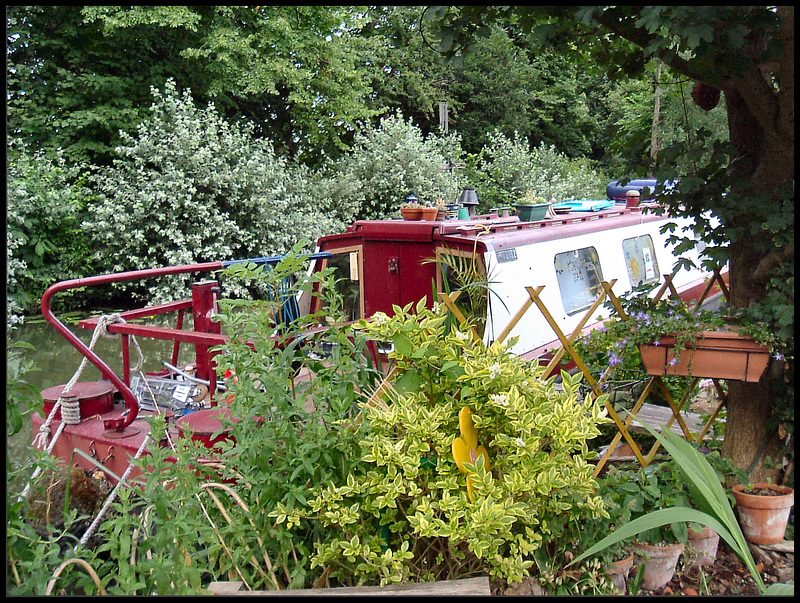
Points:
[[190, 186]]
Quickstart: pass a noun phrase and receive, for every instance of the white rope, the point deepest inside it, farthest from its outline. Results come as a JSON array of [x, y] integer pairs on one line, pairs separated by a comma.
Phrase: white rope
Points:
[[71, 411]]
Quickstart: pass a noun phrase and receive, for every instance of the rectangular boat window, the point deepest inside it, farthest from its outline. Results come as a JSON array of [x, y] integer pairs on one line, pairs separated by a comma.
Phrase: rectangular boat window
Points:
[[579, 277], [465, 272], [348, 284], [640, 258]]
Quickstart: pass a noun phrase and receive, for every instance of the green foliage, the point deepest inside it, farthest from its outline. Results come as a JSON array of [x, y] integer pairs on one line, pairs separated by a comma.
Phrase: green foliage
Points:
[[21, 396], [406, 515], [390, 162], [507, 168], [190, 187], [45, 202], [707, 488]]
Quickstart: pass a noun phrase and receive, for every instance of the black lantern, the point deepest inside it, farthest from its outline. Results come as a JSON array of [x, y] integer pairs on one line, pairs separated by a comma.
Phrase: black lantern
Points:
[[469, 199]]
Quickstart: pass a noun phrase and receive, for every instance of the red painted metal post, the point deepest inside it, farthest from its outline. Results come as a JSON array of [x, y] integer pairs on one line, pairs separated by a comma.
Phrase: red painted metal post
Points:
[[205, 295], [118, 424]]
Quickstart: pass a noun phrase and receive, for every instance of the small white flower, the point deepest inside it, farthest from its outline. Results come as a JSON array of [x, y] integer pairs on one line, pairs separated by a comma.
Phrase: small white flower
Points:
[[461, 336], [495, 369], [520, 442], [380, 318], [499, 399]]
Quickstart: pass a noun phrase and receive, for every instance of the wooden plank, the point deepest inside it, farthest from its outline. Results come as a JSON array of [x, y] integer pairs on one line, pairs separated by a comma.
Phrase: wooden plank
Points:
[[466, 586], [656, 416]]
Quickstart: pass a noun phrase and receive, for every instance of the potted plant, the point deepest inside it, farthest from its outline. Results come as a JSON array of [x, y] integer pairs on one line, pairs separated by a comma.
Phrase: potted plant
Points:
[[718, 514], [763, 511], [617, 559], [532, 207], [429, 212], [411, 209], [633, 494], [674, 339]]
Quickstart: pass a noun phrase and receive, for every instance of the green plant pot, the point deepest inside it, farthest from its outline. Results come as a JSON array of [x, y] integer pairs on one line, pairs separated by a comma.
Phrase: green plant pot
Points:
[[529, 213]]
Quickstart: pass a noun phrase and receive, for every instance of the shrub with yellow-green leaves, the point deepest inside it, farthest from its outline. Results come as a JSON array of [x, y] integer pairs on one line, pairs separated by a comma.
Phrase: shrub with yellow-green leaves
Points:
[[408, 515]]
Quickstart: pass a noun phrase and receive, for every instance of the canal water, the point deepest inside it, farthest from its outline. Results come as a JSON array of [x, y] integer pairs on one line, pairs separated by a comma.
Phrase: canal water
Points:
[[57, 361]]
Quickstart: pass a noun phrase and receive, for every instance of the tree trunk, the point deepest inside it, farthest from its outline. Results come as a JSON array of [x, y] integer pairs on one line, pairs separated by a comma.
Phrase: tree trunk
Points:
[[752, 440]]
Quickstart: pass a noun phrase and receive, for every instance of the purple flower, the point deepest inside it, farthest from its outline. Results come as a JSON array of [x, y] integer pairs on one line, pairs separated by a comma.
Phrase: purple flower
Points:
[[657, 342], [673, 362], [613, 360], [778, 356]]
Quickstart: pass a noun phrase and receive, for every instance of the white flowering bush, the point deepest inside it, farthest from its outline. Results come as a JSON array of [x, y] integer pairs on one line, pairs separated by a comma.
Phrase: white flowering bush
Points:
[[192, 187], [391, 161], [44, 244], [412, 514], [508, 168]]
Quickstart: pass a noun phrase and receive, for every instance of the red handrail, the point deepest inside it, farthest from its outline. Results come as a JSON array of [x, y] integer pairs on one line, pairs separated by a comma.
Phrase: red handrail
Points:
[[120, 423]]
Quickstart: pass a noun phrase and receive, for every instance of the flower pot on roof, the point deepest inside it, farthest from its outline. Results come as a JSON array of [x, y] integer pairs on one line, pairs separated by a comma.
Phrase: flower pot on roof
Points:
[[709, 355], [763, 511], [411, 209], [532, 207], [429, 213]]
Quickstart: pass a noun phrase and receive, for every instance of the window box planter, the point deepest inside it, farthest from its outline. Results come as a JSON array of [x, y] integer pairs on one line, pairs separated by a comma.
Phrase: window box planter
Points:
[[713, 355]]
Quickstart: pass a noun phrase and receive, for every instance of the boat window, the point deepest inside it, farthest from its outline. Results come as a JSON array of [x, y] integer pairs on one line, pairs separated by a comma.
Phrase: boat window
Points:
[[640, 258], [348, 282], [458, 270], [579, 277]]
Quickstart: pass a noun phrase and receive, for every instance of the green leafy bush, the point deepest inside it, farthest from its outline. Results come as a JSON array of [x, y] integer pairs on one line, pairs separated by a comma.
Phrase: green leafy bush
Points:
[[391, 161], [45, 200], [191, 187], [508, 167], [407, 515]]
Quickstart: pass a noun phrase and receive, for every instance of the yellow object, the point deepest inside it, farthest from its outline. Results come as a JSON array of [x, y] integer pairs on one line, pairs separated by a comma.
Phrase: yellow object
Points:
[[466, 449]]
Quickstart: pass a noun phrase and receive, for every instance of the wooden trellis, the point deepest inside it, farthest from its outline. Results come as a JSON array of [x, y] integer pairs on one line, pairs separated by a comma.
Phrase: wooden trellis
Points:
[[654, 382]]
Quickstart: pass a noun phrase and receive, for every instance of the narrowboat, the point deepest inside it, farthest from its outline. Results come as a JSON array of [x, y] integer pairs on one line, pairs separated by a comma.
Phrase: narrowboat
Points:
[[378, 264]]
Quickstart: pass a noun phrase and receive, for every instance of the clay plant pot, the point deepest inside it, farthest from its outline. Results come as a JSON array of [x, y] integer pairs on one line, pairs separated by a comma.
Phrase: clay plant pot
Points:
[[618, 572], [763, 517], [429, 213], [659, 563], [713, 355], [411, 213], [706, 543]]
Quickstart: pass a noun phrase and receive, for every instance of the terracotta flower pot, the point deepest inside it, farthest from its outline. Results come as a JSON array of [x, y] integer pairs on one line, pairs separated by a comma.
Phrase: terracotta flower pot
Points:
[[429, 213], [763, 518], [618, 572], [659, 563], [713, 355], [706, 543], [411, 213]]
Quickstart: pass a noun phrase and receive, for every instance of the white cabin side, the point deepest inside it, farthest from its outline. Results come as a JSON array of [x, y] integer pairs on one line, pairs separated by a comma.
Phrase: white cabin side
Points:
[[569, 292]]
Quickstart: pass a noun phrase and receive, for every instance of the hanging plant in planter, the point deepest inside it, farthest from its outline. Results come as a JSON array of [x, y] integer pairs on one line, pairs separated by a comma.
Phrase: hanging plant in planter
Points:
[[674, 339]]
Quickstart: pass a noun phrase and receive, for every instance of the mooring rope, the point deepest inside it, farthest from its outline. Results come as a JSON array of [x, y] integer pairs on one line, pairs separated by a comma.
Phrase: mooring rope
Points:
[[70, 413]]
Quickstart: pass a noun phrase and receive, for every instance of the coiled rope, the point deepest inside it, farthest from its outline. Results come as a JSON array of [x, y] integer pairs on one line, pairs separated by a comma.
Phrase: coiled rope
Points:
[[70, 405]]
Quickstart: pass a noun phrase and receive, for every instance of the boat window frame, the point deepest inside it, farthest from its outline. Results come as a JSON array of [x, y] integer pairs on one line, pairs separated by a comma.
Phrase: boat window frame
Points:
[[657, 277], [598, 287], [316, 304], [444, 250]]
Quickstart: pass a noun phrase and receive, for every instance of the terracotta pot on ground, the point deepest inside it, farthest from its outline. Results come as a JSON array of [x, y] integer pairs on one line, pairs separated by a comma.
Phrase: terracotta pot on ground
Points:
[[706, 543], [659, 563], [618, 572], [411, 213], [763, 518]]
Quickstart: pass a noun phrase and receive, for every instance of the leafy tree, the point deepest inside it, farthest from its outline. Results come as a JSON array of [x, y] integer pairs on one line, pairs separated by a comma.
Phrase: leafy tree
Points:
[[191, 187], [394, 160], [746, 53], [45, 200], [295, 71]]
